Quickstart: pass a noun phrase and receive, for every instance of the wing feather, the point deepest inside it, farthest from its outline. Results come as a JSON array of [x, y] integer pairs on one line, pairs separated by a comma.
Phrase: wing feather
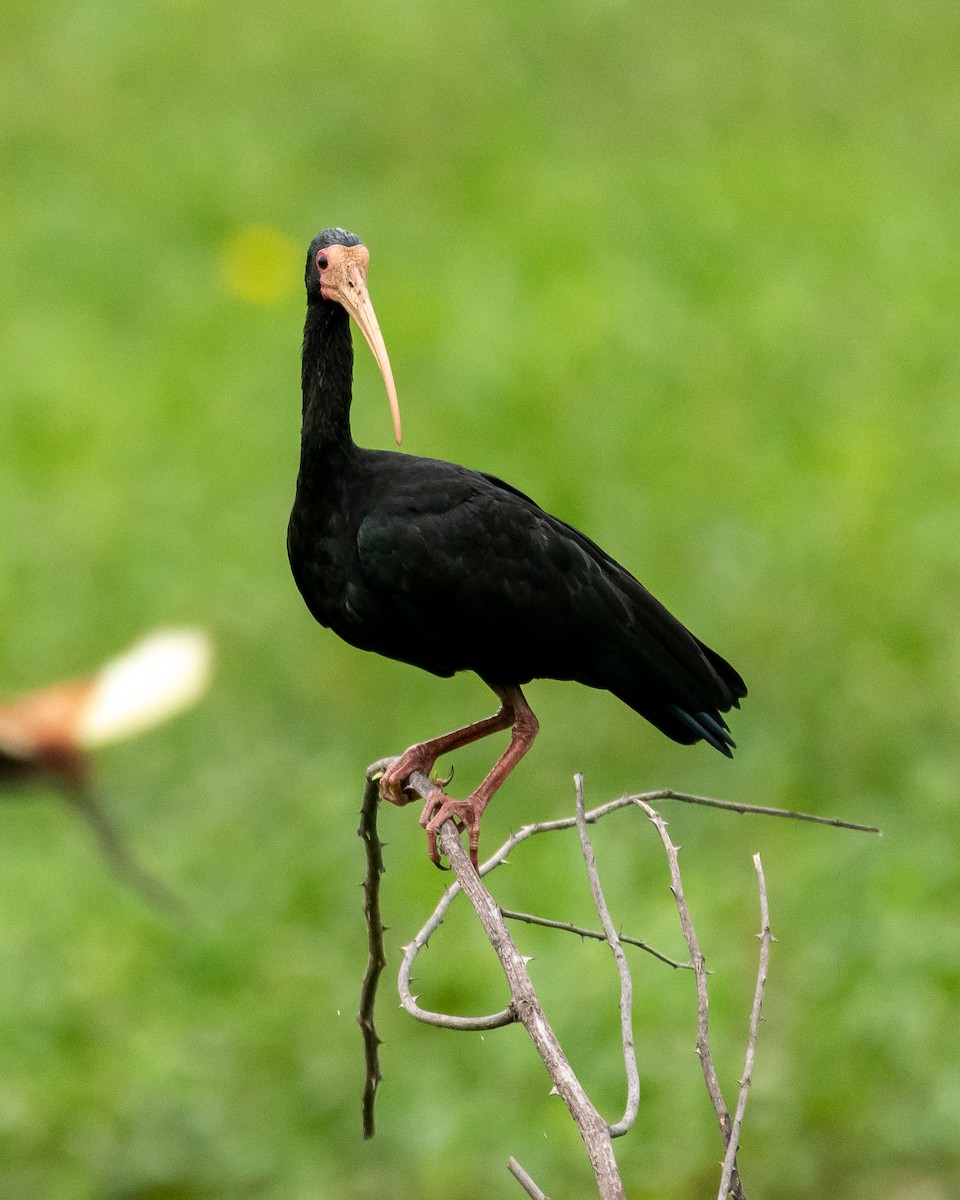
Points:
[[462, 571]]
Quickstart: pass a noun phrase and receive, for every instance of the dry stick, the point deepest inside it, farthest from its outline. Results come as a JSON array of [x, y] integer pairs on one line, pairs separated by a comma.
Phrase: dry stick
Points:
[[566, 927], [505, 1016], [758, 809], [595, 814], [376, 956], [525, 1181], [593, 1129], [422, 785], [626, 983], [526, 1008], [500, 856], [117, 855], [766, 937], [703, 1002], [497, 1020]]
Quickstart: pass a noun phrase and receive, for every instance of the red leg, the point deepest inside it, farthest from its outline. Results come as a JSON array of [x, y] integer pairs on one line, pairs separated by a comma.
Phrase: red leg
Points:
[[424, 755], [466, 814]]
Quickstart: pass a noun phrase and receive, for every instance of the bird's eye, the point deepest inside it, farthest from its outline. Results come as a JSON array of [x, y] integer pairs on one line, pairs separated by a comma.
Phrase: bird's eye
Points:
[[322, 263]]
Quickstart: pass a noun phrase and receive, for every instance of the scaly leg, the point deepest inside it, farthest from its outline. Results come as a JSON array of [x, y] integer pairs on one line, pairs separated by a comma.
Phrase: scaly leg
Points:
[[466, 814], [424, 755]]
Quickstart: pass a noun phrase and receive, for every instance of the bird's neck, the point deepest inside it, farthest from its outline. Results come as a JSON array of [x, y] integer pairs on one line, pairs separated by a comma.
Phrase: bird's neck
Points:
[[327, 378]]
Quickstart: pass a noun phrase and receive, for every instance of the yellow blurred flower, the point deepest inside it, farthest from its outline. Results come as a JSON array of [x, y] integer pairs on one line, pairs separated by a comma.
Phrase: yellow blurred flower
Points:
[[260, 265]]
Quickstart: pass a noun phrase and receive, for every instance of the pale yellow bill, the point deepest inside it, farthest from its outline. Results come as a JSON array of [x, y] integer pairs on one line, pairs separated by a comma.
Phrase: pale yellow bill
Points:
[[357, 303]]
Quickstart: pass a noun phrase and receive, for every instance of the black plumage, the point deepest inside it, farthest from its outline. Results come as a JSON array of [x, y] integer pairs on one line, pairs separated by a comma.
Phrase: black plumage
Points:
[[451, 569]]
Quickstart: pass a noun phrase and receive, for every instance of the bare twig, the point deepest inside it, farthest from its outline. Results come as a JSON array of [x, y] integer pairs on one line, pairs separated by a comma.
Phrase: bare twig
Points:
[[595, 814], [527, 831], [703, 1000], [525, 1006], [376, 956], [525, 1181], [496, 1020], [500, 856], [506, 1016], [766, 937], [757, 809], [592, 1127], [626, 983], [567, 927]]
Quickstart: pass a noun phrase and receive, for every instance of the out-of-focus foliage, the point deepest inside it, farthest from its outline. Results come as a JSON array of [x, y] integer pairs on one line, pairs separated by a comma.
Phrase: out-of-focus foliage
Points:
[[687, 274]]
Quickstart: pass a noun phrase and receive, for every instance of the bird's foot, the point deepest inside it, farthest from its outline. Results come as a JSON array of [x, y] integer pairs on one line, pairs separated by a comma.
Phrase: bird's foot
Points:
[[465, 814], [392, 780]]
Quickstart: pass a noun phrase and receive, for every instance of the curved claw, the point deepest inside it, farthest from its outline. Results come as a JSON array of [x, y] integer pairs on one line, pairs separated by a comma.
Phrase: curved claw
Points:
[[465, 815], [446, 781]]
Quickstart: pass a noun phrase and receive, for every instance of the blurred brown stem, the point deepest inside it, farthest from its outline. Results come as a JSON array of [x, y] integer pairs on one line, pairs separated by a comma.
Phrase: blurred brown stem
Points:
[[376, 956], [79, 795]]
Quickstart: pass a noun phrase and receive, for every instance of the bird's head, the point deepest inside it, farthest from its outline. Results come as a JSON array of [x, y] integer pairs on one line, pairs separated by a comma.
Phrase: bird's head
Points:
[[336, 273]]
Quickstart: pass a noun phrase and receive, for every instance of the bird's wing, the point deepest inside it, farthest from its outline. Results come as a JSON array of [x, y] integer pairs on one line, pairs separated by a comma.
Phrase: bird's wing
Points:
[[480, 577], [442, 556]]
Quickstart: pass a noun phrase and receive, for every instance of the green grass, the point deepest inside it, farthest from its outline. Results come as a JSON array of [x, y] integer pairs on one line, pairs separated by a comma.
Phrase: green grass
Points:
[[684, 273]]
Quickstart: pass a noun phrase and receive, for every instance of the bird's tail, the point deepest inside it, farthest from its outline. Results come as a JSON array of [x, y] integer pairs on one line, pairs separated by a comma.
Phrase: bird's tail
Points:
[[730, 678], [698, 715]]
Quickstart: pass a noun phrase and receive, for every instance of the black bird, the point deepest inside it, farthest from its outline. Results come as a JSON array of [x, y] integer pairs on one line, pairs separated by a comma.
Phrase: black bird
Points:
[[453, 570]]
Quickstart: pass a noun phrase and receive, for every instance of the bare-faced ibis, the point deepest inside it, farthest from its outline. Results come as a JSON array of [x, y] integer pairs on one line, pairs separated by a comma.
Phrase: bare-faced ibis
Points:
[[451, 569]]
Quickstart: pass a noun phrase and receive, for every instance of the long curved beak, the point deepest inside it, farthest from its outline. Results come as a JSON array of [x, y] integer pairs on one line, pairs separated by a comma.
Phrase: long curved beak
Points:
[[356, 300]]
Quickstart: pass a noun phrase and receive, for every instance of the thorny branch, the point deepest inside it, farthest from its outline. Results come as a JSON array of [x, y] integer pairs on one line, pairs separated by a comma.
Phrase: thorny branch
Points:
[[377, 958], [729, 1180], [703, 1001], [626, 983], [525, 1006], [761, 810], [567, 927]]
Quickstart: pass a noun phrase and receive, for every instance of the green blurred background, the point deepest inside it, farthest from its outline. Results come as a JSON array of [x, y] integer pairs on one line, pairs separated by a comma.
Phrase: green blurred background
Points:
[[686, 273]]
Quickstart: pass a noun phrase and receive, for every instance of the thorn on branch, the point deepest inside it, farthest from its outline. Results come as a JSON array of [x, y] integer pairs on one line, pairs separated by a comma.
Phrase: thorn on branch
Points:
[[566, 927]]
